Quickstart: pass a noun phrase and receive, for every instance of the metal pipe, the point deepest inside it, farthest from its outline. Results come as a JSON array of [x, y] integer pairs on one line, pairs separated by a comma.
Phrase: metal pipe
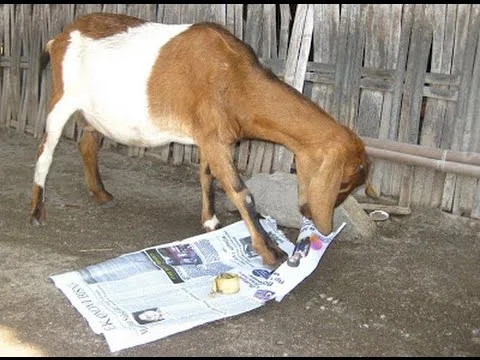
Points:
[[470, 158], [440, 165]]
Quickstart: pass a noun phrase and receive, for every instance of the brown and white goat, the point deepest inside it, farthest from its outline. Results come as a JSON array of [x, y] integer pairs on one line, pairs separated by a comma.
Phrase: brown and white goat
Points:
[[146, 84]]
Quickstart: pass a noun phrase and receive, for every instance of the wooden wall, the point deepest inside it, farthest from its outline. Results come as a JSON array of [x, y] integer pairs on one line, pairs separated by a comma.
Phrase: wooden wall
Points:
[[403, 72]]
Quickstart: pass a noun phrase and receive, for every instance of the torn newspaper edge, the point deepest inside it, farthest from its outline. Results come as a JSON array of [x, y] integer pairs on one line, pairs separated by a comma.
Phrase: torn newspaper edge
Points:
[[150, 294]]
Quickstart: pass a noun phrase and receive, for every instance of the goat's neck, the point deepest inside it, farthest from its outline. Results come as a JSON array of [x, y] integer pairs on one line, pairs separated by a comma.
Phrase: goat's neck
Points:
[[283, 116]]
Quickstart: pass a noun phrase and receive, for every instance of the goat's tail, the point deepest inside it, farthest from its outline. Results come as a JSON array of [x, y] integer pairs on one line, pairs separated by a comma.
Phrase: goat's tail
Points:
[[45, 56]]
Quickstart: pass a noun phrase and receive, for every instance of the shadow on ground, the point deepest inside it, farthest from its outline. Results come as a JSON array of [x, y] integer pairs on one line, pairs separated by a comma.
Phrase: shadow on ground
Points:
[[414, 290]]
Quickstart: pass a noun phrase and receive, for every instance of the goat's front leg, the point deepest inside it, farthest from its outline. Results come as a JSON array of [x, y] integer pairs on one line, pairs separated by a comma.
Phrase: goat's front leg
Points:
[[89, 145], [209, 219], [221, 165], [304, 168]]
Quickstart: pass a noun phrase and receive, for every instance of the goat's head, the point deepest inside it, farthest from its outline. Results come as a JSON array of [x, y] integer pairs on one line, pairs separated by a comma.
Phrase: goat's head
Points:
[[327, 178]]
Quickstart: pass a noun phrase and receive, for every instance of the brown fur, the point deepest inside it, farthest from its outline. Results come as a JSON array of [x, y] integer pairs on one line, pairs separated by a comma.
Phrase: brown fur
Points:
[[208, 85], [89, 145], [101, 25], [231, 97]]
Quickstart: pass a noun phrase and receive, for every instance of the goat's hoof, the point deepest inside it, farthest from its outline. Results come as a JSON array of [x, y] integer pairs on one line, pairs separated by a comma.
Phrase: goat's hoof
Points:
[[271, 261], [37, 216], [278, 254], [108, 204], [103, 198], [207, 229], [36, 222], [212, 224]]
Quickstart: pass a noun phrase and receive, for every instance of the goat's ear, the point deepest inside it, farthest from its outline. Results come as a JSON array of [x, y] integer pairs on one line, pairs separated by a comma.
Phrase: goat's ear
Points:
[[323, 190]]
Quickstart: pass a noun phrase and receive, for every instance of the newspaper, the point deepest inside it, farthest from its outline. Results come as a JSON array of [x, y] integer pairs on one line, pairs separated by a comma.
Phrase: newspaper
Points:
[[150, 294]]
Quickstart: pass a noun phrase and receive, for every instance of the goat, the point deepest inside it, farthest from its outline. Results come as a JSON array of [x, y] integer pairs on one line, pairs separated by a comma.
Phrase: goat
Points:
[[147, 84]]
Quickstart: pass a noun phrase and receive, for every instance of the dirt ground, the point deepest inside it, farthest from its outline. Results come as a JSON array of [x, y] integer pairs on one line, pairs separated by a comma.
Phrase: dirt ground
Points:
[[413, 290]]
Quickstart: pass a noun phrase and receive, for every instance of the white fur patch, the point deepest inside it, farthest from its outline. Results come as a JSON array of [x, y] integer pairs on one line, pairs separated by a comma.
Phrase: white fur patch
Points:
[[54, 124], [108, 79], [211, 224]]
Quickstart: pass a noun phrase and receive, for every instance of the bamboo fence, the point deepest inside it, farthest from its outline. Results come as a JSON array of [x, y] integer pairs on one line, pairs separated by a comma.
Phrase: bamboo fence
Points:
[[402, 73]]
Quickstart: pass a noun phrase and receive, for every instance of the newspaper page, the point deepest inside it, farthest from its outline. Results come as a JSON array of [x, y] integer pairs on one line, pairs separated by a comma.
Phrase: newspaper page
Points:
[[150, 294]]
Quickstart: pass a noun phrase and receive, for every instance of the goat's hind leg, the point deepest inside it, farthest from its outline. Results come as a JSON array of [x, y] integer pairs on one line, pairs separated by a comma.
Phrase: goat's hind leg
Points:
[[56, 120], [89, 145], [209, 218]]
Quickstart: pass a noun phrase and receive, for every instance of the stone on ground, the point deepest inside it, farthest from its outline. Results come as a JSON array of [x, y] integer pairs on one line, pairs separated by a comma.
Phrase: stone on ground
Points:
[[276, 195]]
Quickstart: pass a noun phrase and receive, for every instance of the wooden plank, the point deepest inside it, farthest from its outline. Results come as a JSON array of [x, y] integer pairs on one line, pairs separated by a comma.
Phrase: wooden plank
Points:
[[466, 186], [44, 77], [305, 45], [326, 23], [391, 177], [341, 61], [375, 106], [239, 21], [230, 18], [253, 26], [377, 79], [243, 151], [383, 169], [5, 108], [4, 21], [110, 8], [285, 18], [435, 109], [15, 65], [465, 62], [83, 9], [295, 44], [460, 28], [172, 13], [190, 14], [358, 46], [148, 12], [354, 39], [24, 83], [411, 101], [369, 112], [160, 12], [475, 214], [255, 147], [218, 13], [36, 48]]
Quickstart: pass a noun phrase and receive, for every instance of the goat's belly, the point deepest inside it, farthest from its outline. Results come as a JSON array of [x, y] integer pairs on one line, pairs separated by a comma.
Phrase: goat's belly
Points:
[[135, 132]]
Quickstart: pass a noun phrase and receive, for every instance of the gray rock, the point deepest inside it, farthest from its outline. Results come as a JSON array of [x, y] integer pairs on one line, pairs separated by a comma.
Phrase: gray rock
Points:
[[276, 195]]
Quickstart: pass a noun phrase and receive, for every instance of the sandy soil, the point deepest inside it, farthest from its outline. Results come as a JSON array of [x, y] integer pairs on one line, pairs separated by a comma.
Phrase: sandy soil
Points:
[[413, 290]]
